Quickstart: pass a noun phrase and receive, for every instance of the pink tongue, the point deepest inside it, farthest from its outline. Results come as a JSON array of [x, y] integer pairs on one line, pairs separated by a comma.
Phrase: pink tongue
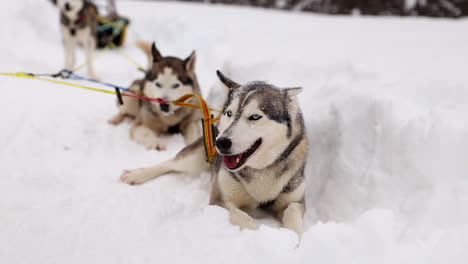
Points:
[[231, 161]]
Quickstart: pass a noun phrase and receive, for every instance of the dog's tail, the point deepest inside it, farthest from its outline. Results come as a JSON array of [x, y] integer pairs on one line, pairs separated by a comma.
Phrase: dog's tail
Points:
[[145, 46]]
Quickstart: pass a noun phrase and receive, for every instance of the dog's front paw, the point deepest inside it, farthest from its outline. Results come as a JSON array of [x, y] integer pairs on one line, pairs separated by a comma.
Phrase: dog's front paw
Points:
[[151, 143], [159, 147], [154, 145], [147, 138], [243, 220], [134, 177], [94, 77], [117, 119]]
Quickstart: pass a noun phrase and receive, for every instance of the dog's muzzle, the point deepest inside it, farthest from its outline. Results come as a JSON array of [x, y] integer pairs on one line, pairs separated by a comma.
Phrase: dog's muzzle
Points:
[[67, 7], [234, 162]]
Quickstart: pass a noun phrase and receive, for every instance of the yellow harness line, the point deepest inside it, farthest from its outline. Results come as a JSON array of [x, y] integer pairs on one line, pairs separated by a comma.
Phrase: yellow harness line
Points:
[[208, 119], [26, 75], [130, 59]]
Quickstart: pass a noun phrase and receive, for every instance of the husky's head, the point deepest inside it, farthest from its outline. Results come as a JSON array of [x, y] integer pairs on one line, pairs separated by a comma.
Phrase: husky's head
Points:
[[257, 123], [170, 78], [69, 7]]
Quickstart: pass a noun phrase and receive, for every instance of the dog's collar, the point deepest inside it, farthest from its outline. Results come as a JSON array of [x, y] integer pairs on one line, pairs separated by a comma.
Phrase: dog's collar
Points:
[[68, 22], [81, 18], [81, 14]]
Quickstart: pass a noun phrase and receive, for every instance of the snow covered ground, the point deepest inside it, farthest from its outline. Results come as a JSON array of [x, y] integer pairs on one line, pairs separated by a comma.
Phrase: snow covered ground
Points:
[[386, 104]]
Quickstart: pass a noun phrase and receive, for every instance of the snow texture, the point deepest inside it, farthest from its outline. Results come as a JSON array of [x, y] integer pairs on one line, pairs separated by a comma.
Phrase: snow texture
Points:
[[385, 101]]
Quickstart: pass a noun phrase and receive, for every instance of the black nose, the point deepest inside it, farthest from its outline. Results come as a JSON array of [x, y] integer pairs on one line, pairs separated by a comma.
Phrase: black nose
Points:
[[223, 144], [164, 107], [67, 6]]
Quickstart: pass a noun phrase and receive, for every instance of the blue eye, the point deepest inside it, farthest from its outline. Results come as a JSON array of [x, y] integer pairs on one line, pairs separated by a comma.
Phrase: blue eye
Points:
[[229, 113], [175, 86], [255, 117], [158, 85]]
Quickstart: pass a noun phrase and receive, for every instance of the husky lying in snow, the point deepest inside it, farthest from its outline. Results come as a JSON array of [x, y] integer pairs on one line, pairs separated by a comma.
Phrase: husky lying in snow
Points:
[[79, 28], [168, 78], [262, 149]]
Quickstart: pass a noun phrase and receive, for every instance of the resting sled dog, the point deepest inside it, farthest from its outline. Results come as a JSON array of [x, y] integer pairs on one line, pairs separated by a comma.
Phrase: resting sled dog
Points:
[[262, 151], [168, 78]]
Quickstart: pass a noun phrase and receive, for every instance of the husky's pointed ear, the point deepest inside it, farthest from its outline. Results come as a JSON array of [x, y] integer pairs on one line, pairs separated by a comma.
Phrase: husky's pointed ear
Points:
[[189, 62], [155, 52], [293, 92], [54, 2], [228, 82]]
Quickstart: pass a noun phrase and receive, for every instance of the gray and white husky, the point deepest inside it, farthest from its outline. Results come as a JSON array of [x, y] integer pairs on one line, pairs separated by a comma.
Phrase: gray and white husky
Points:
[[168, 78], [262, 151], [79, 23]]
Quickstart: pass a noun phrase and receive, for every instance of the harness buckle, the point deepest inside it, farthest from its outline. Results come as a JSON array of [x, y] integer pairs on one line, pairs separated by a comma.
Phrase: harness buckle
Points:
[[64, 74]]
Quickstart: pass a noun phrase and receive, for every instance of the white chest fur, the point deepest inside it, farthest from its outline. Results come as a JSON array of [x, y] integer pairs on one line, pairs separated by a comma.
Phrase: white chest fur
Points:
[[81, 37], [264, 187]]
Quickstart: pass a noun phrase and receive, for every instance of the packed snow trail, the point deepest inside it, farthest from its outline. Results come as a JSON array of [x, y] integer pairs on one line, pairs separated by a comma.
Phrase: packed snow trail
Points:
[[385, 100]]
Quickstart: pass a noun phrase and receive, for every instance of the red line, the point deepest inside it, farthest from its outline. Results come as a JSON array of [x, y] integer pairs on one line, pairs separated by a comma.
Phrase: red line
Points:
[[157, 100]]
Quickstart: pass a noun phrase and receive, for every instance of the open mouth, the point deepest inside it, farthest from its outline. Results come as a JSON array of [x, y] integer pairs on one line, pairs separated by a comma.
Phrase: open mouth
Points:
[[164, 108], [234, 162]]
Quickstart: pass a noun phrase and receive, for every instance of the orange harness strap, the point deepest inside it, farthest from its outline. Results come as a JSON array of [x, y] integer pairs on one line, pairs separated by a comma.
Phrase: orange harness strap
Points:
[[208, 122]]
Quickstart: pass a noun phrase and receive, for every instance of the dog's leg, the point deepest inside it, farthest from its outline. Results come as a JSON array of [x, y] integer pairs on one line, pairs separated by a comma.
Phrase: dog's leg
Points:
[[130, 108], [140, 176], [69, 47], [229, 193], [292, 217], [190, 160], [240, 218], [147, 137], [289, 208], [90, 49], [117, 119], [191, 133]]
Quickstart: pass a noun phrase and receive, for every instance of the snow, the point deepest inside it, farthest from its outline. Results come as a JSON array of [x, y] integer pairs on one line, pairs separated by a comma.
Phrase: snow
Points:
[[385, 101]]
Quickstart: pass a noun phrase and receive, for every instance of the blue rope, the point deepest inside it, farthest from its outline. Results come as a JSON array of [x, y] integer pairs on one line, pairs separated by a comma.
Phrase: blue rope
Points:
[[104, 27], [72, 75], [115, 29]]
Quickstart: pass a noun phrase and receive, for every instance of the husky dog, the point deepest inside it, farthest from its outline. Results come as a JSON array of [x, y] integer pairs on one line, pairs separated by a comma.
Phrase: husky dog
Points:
[[262, 151], [79, 28], [168, 78]]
